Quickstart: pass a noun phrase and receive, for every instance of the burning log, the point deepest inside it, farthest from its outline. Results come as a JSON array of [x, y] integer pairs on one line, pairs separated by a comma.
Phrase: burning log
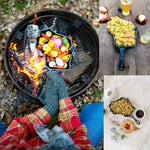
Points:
[[31, 62], [21, 62]]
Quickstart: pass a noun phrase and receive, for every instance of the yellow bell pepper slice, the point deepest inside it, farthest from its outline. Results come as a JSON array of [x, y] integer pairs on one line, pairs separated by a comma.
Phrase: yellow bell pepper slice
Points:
[[41, 40], [51, 44], [66, 58], [56, 36]]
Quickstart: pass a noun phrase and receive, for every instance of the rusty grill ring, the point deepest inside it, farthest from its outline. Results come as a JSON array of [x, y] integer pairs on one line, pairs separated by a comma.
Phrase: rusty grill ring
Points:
[[81, 31]]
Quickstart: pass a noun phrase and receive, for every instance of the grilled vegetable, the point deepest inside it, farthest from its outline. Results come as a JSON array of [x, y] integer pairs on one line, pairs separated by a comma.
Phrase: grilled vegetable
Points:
[[45, 36], [65, 41], [67, 47], [51, 44], [54, 53], [56, 36], [63, 48], [48, 59], [49, 33], [40, 46], [58, 42], [45, 46], [62, 54], [65, 65], [46, 40], [57, 49], [50, 56], [59, 61], [66, 58], [58, 67], [52, 64], [41, 40]]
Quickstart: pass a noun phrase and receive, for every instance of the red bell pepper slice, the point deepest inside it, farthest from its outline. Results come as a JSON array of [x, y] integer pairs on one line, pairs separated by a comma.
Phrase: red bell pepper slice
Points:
[[48, 59], [40, 46], [50, 56], [58, 67], [45, 36]]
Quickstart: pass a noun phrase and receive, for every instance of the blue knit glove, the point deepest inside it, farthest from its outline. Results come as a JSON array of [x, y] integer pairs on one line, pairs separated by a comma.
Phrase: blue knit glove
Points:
[[57, 78], [49, 96]]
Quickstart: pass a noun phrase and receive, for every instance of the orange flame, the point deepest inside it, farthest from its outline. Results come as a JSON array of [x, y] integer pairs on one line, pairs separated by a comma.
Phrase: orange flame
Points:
[[35, 16], [13, 45], [38, 65], [73, 41]]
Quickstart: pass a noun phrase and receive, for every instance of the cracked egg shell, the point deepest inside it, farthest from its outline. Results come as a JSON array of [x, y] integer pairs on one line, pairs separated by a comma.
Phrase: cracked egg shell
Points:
[[141, 19], [103, 9], [103, 17]]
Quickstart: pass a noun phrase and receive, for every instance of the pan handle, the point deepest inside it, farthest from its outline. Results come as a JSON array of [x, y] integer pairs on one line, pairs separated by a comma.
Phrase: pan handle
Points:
[[137, 121], [121, 62]]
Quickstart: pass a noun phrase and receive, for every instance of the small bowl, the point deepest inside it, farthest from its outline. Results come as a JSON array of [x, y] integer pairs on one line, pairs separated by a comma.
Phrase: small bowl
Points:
[[140, 113]]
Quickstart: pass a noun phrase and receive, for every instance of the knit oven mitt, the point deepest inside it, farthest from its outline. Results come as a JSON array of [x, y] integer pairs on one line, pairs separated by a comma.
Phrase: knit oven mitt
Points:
[[57, 78], [49, 95]]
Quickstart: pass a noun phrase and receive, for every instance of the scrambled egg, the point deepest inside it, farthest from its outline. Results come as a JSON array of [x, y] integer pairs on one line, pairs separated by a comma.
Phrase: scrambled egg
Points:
[[121, 106], [123, 31]]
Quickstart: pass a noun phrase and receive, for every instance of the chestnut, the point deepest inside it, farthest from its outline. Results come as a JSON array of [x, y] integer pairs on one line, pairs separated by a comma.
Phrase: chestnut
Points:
[[103, 9], [142, 19], [103, 17]]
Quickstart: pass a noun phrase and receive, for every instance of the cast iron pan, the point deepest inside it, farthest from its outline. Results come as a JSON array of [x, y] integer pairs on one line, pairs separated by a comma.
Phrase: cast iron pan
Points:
[[122, 48], [71, 49], [131, 115]]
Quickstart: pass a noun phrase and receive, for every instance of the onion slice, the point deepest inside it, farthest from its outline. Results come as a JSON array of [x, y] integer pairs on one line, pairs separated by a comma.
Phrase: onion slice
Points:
[[59, 61]]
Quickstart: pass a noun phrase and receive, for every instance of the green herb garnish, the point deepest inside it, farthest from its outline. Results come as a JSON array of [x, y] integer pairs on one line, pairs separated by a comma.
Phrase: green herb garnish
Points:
[[122, 137], [121, 24], [121, 41], [119, 30], [114, 29]]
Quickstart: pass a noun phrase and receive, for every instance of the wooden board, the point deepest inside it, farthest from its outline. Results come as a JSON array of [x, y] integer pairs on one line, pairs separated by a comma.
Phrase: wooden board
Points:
[[137, 60]]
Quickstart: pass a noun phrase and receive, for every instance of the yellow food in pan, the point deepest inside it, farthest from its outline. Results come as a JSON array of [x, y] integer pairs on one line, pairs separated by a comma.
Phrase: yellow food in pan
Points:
[[121, 106], [123, 31]]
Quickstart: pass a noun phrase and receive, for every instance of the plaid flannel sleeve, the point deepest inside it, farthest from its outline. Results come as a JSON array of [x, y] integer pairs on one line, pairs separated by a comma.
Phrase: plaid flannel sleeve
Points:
[[70, 122], [21, 131]]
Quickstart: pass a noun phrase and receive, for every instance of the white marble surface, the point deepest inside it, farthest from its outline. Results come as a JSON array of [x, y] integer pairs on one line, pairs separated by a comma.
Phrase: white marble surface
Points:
[[137, 89]]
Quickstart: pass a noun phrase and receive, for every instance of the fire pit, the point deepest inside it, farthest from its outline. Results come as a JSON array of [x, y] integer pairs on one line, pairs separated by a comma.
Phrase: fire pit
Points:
[[26, 64]]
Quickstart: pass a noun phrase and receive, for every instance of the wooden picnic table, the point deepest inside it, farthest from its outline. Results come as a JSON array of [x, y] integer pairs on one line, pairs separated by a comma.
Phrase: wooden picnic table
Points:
[[137, 60]]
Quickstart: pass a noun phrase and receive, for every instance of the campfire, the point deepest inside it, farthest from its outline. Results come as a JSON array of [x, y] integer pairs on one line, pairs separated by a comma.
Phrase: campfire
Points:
[[31, 62], [32, 67]]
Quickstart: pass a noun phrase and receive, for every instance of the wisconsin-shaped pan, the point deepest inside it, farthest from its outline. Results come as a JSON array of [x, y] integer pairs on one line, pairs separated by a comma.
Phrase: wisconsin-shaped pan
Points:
[[122, 49], [130, 115]]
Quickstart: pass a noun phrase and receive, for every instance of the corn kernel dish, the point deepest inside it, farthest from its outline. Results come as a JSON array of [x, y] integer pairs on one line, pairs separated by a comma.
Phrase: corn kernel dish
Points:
[[123, 31], [121, 106]]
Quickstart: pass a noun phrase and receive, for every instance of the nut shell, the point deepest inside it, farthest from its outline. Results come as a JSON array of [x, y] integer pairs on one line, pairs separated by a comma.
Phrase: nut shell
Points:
[[103, 9], [103, 17], [141, 19]]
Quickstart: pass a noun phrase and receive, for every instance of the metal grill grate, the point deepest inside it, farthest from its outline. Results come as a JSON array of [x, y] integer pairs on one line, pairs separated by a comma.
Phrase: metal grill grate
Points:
[[84, 64]]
